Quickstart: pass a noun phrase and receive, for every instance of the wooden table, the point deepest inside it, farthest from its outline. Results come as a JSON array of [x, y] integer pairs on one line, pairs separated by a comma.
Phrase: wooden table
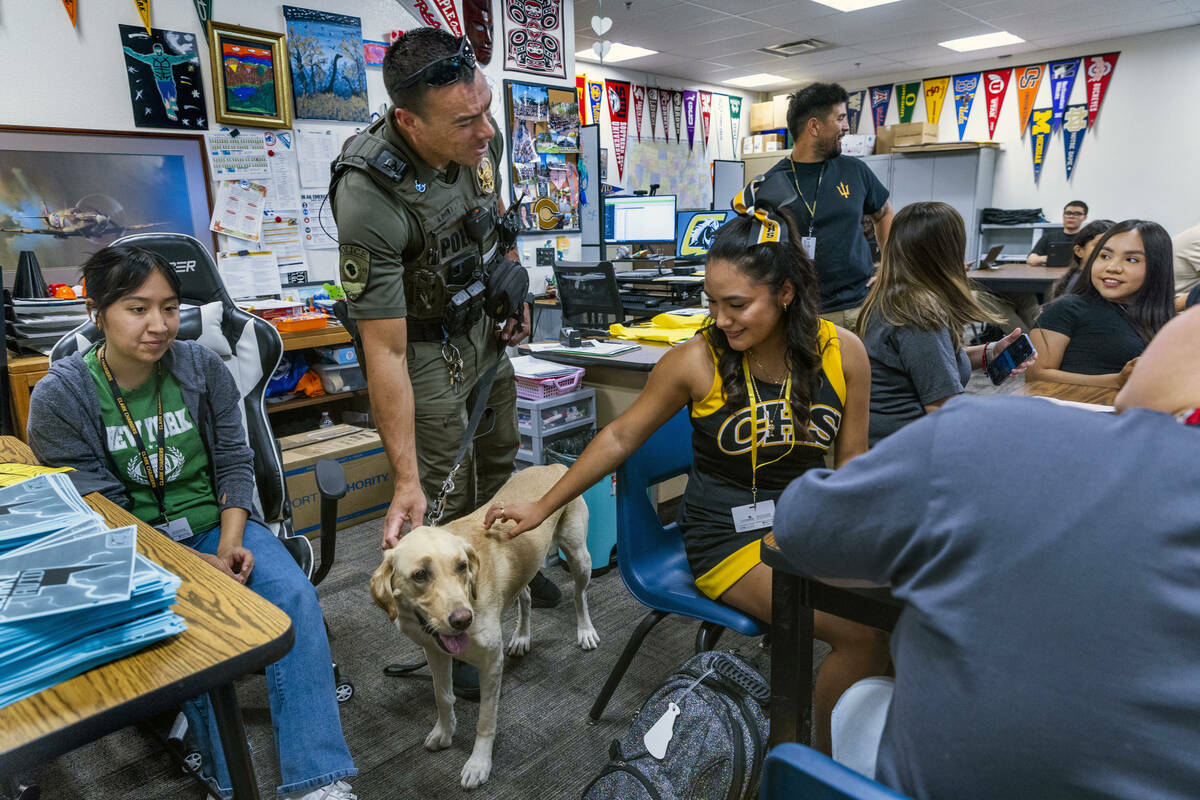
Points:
[[231, 632], [794, 597], [1017, 278], [1098, 395]]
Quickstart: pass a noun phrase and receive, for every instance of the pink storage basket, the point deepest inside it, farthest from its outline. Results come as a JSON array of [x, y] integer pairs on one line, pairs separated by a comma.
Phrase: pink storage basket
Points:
[[539, 388]]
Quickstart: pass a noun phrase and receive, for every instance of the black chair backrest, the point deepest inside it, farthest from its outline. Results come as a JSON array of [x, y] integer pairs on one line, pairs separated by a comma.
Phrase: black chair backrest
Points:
[[250, 347], [588, 293]]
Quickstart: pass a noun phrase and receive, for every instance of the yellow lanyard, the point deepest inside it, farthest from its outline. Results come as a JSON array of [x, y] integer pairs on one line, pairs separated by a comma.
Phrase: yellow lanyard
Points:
[[753, 395], [812, 209]]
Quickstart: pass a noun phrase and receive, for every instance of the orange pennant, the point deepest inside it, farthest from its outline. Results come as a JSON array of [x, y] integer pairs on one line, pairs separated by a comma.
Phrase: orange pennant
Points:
[[1028, 80], [69, 5], [143, 7], [935, 95]]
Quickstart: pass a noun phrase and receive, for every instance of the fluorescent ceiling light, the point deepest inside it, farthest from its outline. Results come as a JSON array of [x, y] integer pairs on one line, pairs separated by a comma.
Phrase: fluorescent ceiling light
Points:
[[619, 52], [758, 79], [981, 42], [854, 5]]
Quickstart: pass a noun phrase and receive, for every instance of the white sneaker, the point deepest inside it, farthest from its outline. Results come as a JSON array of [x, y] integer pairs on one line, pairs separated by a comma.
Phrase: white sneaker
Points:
[[338, 790]]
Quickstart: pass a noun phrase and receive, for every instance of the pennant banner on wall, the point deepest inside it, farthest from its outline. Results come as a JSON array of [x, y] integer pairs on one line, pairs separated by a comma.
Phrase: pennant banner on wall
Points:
[[618, 116], [995, 84], [906, 100], [581, 96], [143, 9], [595, 97], [1040, 129], [854, 107], [677, 111], [435, 14], [719, 116], [735, 116], [652, 96], [69, 5], [639, 99], [1097, 72], [1075, 125], [203, 9], [965, 87], [689, 116], [935, 96], [1029, 78], [1062, 78], [705, 116], [664, 105], [880, 97]]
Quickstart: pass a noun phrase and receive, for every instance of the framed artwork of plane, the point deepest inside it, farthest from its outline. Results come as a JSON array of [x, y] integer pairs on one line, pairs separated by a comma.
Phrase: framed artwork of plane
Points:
[[65, 193]]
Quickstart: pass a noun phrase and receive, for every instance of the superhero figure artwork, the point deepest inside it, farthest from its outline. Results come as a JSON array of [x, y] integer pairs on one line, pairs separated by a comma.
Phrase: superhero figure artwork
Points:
[[163, 68]]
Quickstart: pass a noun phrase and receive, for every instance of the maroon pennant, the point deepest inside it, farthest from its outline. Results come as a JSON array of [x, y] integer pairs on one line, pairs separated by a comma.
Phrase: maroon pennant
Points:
[[618, 115], [652, 96], [664, 101], [705, 115], [639, 98]]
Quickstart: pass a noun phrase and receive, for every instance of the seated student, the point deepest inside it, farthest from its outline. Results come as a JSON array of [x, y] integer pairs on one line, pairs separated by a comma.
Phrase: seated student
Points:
[[912, 321], [1073, 215], [103, 413], [1084, 244], [768, 382], [1052, 613], [1124, 295]]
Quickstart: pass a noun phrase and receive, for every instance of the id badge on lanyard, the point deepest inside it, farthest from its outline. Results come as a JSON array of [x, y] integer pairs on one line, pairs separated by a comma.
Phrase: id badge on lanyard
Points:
[[757, 515]]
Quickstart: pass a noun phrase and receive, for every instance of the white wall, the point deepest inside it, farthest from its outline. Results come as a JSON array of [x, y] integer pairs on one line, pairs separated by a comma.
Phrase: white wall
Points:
[[1140, 160], [54, 76]]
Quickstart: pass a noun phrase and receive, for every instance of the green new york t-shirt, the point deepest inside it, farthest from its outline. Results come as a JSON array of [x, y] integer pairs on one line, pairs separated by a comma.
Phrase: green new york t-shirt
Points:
[[189, 490]]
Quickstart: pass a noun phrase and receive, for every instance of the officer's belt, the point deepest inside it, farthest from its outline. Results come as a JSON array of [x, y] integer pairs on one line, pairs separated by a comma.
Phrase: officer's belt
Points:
[[425, 331]]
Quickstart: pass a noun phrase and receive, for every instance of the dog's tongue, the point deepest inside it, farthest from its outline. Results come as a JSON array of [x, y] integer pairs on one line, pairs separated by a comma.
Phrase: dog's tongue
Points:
[[455, 644]]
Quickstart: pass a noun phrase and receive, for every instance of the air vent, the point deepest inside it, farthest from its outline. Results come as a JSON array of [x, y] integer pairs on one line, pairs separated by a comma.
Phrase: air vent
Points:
[[795, 48]]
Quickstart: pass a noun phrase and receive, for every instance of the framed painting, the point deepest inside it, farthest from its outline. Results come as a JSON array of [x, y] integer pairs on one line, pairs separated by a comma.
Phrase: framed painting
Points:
[[251, 79], [66, 193]]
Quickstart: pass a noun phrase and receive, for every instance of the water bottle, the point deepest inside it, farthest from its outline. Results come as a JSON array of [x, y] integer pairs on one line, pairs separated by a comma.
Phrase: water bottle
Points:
[[326, 420]]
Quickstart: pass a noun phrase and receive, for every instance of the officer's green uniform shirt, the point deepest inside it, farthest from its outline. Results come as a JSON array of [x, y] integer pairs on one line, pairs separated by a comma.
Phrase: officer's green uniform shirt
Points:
[[377, 232], [189, 486]]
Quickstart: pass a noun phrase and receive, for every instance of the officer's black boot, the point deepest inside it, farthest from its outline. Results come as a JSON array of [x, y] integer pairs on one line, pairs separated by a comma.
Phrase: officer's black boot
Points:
[[545, 593]]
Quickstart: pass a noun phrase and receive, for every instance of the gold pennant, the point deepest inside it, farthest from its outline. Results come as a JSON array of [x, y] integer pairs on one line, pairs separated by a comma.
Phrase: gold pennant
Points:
[[143, 7], [935, 94], [69, 5]]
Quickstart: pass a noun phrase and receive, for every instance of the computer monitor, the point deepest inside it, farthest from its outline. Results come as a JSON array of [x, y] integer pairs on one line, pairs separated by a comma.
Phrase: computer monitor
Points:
[[695, 231], [639, 219]]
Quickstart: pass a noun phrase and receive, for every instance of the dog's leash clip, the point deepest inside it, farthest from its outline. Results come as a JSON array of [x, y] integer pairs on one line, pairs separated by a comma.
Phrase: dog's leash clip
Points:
[[439, 503]]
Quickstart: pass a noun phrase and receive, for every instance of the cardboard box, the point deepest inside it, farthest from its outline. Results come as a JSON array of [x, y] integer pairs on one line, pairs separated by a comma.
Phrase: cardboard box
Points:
[[902, 129], [762, 116], [884, 139], [368, 475], [779, 107], [911, 141], [771, 142]]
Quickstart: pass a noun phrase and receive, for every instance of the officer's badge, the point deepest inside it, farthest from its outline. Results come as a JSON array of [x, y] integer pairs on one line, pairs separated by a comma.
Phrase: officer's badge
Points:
[[355, 265], [486, 175]]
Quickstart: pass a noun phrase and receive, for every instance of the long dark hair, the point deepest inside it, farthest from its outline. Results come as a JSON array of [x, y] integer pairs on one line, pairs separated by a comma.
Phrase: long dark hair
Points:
[[1095, 228], [772, 264], [922, 281], [1154, 304]]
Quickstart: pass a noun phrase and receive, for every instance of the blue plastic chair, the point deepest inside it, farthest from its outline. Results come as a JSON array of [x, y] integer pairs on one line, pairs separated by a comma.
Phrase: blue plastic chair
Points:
[[793, 770], [651, 557]]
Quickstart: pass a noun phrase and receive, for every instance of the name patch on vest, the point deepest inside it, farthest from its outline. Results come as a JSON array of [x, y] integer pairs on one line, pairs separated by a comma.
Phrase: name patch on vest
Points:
[[456, 210]]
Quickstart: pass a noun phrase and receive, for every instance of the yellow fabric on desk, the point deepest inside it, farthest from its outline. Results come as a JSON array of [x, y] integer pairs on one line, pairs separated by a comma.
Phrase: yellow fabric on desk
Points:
[[11, 473], [666, 327]]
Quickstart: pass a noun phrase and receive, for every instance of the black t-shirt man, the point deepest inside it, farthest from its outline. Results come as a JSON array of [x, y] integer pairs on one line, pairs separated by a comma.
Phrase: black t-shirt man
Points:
[[832, 197], [1049, 237]]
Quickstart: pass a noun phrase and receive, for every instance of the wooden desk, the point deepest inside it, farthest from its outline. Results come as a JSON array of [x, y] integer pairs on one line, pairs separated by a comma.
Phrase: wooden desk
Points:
[[1098, 395], [793, 600], [1017, 278], [231, 632]]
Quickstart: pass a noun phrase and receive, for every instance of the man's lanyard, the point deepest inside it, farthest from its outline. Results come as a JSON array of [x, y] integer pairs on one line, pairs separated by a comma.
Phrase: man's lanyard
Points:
[[812, 207], [156, 480], [786, 396]]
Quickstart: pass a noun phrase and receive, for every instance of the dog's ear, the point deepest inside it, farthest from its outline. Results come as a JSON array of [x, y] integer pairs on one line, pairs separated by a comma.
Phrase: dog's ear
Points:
[[381, 588], [472, 571]]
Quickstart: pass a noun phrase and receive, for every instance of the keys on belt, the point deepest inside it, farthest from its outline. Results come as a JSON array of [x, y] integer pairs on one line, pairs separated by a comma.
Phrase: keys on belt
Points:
[[454, 363]]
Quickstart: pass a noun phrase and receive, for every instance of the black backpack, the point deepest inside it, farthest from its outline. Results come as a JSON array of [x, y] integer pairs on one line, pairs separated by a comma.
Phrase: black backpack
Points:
[[718, 742]]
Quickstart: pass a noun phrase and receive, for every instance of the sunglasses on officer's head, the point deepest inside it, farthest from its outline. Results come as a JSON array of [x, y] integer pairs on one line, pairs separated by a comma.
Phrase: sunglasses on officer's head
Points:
[[445, 71]]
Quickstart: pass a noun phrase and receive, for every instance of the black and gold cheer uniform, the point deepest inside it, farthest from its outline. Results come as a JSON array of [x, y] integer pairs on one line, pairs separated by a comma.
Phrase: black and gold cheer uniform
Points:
[[720, 478]]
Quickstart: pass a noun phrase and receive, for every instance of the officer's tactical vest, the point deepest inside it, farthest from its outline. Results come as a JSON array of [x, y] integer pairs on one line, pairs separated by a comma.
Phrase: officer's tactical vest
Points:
[[437, 210]]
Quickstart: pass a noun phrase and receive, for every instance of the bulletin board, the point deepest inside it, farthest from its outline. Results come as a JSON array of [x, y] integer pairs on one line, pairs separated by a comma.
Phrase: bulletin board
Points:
[[543, 154]]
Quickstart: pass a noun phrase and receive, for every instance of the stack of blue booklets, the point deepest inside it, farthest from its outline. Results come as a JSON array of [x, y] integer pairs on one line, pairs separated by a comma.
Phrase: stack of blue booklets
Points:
[[73, 593]]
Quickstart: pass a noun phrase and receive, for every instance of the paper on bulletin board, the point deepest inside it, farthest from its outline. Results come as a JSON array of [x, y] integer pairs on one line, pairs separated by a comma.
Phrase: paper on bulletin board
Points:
[[317, 227], [283, 179], [318, 147], [236, 158], [249, 273], [283, 239], [238, 210]]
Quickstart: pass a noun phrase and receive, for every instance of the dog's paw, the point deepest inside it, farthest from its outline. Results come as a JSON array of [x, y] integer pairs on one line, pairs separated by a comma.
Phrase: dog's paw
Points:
[[587, 638], [518, 645], [439, 739], [476, 771]]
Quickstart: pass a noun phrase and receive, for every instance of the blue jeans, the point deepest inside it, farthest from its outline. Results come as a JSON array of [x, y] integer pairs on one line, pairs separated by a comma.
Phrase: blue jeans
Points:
[[304, 711]]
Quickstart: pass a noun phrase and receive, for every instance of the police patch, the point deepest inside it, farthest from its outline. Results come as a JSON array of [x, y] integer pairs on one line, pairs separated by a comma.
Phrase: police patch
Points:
[[355, 265], [486, 176]]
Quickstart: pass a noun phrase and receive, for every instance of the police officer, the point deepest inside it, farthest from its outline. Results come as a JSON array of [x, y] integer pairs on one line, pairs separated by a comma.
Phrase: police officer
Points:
[[417, 199]]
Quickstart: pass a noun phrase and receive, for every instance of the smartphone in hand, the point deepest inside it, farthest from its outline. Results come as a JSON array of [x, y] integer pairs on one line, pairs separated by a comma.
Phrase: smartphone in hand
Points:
[[1010, 358]]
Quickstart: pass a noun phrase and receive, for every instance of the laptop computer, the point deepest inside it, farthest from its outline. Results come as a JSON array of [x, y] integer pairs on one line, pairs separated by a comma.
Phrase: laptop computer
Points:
[[1059, 254], [989, 260]]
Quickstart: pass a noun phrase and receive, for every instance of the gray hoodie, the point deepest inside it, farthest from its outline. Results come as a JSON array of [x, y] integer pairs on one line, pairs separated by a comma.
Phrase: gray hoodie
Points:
[[65, 429]]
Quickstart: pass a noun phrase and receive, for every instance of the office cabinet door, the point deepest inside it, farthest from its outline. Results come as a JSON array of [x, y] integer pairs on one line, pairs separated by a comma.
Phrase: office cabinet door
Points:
[[912, 179]]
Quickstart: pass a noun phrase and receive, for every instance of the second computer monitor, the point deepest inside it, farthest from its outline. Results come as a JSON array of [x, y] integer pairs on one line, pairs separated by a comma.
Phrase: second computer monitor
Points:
[[640, 219]]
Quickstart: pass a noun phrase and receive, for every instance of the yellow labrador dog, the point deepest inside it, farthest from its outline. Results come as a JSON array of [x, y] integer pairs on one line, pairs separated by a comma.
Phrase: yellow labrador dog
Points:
[[447, 587]]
